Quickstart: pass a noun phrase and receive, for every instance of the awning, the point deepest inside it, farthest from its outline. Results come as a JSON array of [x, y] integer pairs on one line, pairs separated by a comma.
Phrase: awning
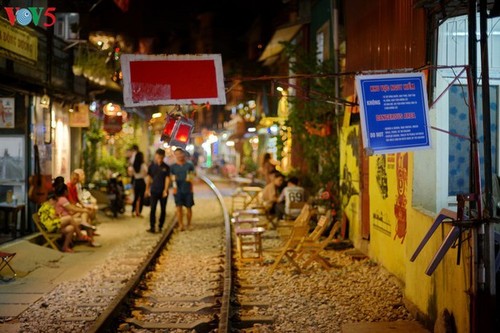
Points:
[[275, 45]]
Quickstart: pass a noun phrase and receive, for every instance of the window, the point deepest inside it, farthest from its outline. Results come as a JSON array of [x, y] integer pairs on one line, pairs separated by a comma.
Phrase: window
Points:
[[322, 42], [459, 149]]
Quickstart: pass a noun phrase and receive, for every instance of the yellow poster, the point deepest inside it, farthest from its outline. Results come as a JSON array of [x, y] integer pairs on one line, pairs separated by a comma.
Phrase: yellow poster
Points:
[[80, 116]]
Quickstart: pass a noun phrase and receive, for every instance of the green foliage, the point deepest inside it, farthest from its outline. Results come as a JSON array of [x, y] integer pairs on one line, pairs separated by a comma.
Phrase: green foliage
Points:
[[249, 165], [93, 136], [310, 109], [111, 164]]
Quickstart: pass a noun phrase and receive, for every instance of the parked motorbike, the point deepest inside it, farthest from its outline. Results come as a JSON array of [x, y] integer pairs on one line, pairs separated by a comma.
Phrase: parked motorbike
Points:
[[116, 194]]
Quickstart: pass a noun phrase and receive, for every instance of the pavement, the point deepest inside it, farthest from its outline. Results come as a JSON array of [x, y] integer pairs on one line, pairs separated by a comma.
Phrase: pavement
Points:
[[40, 269]]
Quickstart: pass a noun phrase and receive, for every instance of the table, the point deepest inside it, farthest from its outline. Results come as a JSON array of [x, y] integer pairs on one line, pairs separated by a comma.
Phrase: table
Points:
[[11, 213]]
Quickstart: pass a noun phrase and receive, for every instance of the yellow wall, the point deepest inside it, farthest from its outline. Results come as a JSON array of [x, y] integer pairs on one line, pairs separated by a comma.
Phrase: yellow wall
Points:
[[448, 286], [387, 236], [350, 180]]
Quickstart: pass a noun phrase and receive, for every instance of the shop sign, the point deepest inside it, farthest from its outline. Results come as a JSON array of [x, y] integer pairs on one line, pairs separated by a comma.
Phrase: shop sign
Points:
[[172, 79], [394, 112], [17, 41], [7, 112], [80, 116]]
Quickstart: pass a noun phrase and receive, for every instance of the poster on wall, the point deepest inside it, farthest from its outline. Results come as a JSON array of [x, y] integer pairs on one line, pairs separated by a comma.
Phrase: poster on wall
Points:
[[80, 116], [394, 112], [7, 112]]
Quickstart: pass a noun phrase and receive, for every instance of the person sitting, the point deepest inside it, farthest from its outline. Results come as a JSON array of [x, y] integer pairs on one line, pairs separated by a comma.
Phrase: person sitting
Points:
[[65, 224], [80, 214], [291, 195], [270, 193], [85, 198]]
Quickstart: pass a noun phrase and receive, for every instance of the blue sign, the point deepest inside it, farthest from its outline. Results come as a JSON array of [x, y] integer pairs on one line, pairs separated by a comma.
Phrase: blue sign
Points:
[[393, 109]]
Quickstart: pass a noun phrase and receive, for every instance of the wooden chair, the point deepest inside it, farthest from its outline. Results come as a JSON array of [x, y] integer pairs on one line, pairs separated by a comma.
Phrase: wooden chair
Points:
[[49, 237], [299, 231], [302, 219], [313, 248]]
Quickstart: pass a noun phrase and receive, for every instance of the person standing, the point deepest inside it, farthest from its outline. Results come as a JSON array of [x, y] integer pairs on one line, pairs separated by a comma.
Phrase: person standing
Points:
[[157, 184], [140, 174], [267, 167], [182, 177]]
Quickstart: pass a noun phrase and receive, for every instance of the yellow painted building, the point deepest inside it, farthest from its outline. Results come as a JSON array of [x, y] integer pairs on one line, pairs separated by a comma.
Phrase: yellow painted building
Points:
[[389, 228]]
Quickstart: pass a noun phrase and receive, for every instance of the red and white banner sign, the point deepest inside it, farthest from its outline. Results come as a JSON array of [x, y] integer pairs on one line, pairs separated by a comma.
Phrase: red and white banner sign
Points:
[[172, 79]]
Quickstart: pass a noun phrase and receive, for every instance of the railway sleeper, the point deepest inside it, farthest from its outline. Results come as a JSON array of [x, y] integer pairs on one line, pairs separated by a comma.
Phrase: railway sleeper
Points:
[[206, 298], [249, 304], [250, 321], [201, 325], [201, 309]]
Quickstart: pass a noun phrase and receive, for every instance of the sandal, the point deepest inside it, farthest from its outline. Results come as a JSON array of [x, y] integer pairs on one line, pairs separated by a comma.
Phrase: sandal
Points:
[[68, 250], [84, 238]]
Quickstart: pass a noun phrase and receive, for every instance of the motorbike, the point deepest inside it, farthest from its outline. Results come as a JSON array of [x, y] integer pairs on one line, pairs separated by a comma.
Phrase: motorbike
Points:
[[116, 195]]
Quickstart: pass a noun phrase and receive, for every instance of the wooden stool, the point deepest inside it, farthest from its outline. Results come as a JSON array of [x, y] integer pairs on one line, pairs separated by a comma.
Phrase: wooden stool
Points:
[[6, 257], [249, 238]]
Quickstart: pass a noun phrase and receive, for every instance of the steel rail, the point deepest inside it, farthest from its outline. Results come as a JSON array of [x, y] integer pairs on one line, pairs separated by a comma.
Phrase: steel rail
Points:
[[105, 319], [226, 292]]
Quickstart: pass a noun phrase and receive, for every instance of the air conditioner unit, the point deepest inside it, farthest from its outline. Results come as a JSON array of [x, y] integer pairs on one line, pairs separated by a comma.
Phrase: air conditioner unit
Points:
[[67, 25]]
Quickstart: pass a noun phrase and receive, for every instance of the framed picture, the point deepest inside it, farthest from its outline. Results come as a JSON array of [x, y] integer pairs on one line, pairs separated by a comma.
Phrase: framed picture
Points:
[[12, 158], [47, 129], [7, 112]]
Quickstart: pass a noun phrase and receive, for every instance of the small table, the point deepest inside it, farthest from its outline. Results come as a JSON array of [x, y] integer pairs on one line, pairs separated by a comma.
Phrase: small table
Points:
[[11, 213], [250, 238]]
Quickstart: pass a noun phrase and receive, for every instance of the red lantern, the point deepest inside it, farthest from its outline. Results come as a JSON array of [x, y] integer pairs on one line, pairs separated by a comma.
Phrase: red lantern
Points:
[[181, 132], [166, 135]]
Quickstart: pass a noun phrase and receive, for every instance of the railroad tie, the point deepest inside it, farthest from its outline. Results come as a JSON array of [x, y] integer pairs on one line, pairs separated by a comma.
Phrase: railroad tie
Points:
[[199, 325], [201, 309]]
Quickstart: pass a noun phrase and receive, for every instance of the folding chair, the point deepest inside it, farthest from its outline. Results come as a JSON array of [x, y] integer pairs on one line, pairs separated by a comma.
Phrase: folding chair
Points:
[[312, 248], [302, 219], [50, 238], [6, 257], [299, 231]]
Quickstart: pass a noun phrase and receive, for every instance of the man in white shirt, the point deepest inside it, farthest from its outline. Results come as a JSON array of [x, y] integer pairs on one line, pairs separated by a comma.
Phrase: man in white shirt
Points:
[[291, 194]]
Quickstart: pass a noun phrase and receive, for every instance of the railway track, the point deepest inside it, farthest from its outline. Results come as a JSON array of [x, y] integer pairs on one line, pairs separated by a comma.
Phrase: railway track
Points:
[[183, 286]]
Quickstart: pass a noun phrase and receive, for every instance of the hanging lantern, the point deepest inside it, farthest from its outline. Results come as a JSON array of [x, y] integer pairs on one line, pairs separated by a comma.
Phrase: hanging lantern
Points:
[[181, 132], [166, 134]]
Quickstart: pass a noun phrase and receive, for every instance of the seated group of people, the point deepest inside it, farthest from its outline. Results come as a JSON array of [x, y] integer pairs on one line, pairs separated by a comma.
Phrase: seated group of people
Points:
[[279, 199], [70, 210]]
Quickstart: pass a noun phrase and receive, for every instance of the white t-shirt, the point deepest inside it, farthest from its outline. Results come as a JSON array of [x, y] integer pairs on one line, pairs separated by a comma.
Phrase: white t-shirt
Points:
[[293, 194]]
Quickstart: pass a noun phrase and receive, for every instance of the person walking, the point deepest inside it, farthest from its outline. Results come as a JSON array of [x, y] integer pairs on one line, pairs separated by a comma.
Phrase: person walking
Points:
[[157, 184], [140, 174], [182, 177]]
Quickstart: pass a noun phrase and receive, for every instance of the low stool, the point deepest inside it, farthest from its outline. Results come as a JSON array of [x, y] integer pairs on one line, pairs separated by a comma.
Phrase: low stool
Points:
[[5, 258], [249, 239]]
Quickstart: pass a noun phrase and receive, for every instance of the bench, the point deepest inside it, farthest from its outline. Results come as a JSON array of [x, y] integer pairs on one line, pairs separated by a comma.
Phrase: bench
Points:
[[103, 200]]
